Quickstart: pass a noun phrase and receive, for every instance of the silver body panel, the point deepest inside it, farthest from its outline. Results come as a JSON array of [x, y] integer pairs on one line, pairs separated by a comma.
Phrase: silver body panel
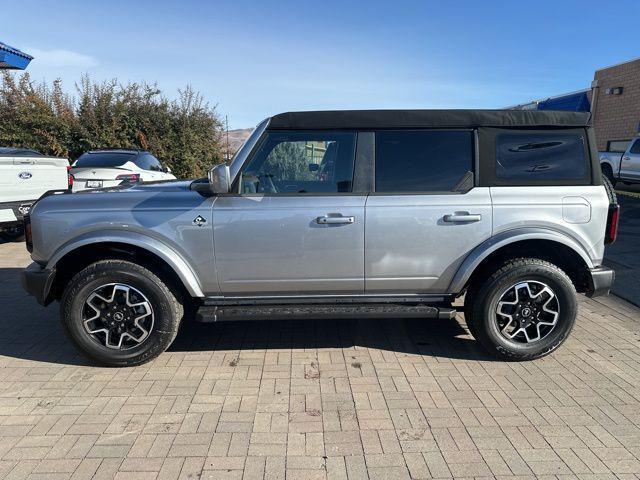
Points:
[[274, 245], [409, 246], [271, 245], [577, 213], [157, 217]]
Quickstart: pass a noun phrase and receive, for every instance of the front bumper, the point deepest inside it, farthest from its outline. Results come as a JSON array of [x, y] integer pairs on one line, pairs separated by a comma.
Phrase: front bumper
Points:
[[600, 281], [37, 281]]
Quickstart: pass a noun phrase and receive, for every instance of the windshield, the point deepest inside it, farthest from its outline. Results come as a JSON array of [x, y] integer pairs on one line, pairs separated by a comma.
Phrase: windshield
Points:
[[104, 159], [243, 153]]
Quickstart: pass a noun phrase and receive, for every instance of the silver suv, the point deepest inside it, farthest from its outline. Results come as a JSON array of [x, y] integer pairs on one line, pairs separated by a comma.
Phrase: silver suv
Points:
[[341, 214]]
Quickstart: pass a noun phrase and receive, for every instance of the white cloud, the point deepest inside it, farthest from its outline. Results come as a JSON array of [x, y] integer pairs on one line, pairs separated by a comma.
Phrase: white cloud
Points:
[[60, 58]]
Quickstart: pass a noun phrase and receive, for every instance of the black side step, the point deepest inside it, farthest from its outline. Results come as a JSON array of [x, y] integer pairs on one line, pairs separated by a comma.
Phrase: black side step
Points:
[[209, 314]]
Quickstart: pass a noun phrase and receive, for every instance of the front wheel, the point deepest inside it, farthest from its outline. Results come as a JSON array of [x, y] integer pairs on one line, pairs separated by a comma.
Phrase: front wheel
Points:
[[118, 313], [525, 310]]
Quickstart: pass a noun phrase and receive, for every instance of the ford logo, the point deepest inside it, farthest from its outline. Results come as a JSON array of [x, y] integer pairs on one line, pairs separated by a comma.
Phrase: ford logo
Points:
[[25, 175]]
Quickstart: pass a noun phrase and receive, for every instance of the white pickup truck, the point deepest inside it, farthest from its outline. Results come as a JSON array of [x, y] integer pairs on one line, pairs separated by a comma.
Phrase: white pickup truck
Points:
[[25, 175], [622, 162]]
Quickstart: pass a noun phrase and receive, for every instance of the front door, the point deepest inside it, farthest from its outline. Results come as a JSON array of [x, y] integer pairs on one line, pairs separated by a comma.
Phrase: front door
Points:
[[426, 215], [294, 227]]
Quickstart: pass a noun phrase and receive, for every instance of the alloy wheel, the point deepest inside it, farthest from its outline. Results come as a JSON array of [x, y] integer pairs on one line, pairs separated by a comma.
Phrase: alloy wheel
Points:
[[118, 316], [527, 312]]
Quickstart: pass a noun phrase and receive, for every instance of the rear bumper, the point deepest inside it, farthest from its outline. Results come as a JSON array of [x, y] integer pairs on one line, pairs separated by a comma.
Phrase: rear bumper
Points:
[[600, 281], [12, 213], [37, 281]]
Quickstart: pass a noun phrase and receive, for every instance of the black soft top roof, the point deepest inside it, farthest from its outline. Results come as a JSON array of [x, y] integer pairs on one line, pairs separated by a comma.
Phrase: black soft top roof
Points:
[[371, 119]]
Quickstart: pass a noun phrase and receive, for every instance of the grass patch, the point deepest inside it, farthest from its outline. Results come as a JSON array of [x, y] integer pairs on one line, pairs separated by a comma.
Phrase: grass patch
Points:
[[628, 194]]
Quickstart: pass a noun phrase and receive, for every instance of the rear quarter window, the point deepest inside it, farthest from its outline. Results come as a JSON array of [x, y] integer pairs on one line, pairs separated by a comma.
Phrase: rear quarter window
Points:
[[513, 157], [533, 157]]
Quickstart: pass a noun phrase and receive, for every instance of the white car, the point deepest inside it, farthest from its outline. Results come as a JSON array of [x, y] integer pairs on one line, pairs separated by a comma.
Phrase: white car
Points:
[[110, 168], [25, 175]]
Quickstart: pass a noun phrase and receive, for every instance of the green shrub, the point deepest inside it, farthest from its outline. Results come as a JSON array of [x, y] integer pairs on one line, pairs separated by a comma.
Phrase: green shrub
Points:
[[185, 134]]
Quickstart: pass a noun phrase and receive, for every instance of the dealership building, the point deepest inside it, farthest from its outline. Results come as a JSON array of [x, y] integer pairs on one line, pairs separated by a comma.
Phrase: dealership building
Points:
[[12, 58], [613, 100]]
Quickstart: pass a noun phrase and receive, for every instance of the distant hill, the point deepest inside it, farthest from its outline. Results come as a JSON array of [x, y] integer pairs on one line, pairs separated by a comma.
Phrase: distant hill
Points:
[[236, 139]]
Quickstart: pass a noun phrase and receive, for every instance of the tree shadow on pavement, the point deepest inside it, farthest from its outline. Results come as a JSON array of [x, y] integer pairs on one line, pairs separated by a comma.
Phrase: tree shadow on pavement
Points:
[[30, 332], [430, 337], [27, 330]]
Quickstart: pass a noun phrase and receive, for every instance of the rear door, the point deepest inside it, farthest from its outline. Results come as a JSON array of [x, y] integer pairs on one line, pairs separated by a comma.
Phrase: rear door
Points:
[[425, 214], [295, 226], [630, 163]]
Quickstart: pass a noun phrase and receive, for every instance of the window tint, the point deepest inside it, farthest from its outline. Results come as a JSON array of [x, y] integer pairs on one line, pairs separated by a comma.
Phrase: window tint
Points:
[[104, 159], [301, 162], [422, 161], [636, 147], [540, 157]]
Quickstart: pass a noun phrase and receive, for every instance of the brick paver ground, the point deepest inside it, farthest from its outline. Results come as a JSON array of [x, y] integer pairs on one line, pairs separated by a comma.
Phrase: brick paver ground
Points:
[[318, 399]]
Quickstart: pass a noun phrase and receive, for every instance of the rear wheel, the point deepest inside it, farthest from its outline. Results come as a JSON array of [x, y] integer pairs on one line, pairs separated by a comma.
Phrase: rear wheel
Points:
[[607, 172], [469, 300], [118, 313], [523, 311], [611, 192]]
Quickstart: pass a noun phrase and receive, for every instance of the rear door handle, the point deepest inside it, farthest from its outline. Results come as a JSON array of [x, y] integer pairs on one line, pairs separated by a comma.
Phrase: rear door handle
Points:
[[334, 220], [462, 217]]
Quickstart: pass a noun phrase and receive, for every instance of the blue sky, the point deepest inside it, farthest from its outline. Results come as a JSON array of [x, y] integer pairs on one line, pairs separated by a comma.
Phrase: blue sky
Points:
[[254, 59]]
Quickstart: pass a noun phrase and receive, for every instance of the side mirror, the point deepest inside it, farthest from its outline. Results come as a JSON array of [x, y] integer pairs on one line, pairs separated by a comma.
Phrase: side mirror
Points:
[[314, 167], [167, 170], [220, 179]]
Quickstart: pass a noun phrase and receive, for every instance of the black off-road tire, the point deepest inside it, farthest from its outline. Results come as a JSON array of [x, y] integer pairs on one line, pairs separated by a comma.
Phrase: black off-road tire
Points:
[[167, 311], [607, 175], [611, 192], [469, 299], [481, 314]]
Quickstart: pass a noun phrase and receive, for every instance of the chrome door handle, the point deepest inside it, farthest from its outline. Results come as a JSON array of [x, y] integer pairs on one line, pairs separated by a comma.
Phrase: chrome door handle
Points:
[[462, 217], [334, 220]]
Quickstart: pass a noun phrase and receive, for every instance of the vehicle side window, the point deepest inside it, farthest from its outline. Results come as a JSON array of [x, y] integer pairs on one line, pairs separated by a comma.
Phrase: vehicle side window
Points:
[[618, 146], [154, 163], [301, 162], [635, 149], [148, 162], [422, 161], [533, 157], [142, 162]]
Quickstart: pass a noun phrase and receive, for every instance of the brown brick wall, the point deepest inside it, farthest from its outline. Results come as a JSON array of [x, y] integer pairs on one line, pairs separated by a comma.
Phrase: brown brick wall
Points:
[[617, 116]]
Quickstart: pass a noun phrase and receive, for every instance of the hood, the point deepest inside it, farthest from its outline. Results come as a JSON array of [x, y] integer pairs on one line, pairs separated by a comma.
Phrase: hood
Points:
[[142, 187], [122, 201]]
